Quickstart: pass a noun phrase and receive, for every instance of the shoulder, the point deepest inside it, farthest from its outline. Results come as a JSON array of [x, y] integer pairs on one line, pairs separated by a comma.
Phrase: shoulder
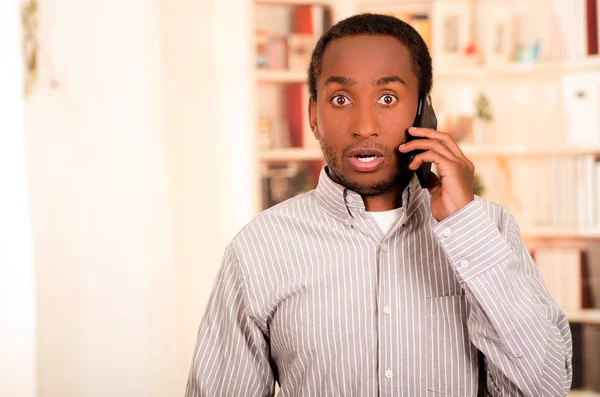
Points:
[[280, 218]]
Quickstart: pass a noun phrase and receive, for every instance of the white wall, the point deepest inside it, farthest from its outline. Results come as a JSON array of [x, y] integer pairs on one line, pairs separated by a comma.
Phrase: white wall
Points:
[[101, 204], [141, 172], [17, 295], [207, 51]]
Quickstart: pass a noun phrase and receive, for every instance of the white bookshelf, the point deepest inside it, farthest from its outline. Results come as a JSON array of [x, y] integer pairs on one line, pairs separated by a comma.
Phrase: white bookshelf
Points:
[[480, 75]]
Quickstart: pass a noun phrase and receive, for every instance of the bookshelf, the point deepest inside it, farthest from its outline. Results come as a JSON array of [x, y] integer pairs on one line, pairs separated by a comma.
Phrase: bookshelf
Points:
[[525, 135]]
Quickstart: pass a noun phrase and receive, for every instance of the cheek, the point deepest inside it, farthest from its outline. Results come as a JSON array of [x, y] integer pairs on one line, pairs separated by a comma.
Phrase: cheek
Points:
[[333, 123], [394, 127]]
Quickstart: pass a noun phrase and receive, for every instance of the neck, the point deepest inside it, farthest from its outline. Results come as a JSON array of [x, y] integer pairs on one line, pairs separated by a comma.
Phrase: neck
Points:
[[387, 201]]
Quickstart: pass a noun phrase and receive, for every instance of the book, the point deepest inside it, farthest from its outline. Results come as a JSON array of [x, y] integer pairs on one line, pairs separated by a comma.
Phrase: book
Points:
[[564, 198], [597, 191], [592, 27], [570, 27], [561, 269], [301, 40], [294, 104], [585, 176]]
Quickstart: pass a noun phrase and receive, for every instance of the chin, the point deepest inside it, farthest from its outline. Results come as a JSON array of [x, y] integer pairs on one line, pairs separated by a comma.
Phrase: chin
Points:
[[369, 183]]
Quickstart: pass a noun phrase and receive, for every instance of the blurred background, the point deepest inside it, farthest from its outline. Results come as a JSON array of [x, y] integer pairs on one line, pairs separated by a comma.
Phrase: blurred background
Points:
[[137, 137]]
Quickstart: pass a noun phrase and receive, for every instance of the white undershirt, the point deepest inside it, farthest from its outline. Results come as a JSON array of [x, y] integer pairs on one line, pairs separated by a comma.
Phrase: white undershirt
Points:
[[385, 219]]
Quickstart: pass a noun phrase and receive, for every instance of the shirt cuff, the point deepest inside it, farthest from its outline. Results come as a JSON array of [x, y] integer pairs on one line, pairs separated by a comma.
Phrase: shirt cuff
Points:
[[472, 241]]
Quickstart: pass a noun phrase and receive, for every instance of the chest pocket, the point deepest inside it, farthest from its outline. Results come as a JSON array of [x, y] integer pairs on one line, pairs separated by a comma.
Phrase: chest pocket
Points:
[[452, 361]]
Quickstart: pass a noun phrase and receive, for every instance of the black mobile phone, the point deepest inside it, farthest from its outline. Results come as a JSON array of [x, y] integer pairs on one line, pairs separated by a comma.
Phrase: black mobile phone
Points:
[[425, 118]]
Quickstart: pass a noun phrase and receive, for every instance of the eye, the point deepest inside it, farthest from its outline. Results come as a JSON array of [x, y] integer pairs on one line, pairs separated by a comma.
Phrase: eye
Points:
[[387, 100], [340, 101]]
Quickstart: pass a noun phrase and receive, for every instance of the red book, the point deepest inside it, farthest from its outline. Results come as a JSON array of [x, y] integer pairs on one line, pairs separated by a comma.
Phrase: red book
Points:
[[592, 27], [302, 20], [294, 114]]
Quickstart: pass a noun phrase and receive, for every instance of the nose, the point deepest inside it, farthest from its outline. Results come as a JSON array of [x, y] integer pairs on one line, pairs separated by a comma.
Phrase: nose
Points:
[[365, 122]]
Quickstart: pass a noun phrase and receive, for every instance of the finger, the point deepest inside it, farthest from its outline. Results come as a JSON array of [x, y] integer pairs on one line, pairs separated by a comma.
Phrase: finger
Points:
[[443, 163], [440, 136], [428, 144]]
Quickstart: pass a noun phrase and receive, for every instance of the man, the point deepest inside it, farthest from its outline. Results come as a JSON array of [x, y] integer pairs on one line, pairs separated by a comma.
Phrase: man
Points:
[[370, 285]]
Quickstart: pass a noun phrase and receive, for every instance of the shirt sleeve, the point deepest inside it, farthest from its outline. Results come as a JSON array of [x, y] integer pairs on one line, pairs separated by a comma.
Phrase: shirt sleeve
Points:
[[513, 321], [232, 356]]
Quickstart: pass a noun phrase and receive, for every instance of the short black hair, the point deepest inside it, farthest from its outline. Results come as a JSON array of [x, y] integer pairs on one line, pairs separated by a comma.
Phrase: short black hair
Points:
[[375, 25]]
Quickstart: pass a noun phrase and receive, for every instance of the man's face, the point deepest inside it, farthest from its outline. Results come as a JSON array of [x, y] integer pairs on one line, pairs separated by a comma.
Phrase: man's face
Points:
[[367, 96]]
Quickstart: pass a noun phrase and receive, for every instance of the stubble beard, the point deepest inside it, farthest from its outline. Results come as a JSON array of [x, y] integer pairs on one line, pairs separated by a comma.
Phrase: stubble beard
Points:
[[376, 188]]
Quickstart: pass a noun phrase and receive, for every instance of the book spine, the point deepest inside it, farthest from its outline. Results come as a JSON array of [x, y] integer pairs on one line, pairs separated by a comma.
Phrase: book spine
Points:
[[592, 27]]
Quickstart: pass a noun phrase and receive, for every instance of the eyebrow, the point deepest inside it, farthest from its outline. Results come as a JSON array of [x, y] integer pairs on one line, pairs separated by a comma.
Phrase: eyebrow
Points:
[[345, 81], [340, 80], [389, 79]]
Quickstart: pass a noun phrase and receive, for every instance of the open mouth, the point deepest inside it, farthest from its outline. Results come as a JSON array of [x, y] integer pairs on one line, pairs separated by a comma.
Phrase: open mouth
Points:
[[365, 159]]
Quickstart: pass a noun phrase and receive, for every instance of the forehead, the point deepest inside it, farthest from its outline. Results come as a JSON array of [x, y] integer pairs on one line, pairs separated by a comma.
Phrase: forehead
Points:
[[367, 56]]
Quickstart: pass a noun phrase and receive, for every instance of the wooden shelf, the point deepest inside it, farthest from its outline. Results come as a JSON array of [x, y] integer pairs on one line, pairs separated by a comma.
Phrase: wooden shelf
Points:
[[469, 150], [522, 151], [295, 2], [591, 63], [336, 2], [585, 316], [583, 393], [526, 70], [557, 233], [281, 76], [291, 154]]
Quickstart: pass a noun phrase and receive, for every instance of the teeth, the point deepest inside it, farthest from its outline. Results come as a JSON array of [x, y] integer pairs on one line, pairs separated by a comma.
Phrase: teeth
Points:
[[367, 159]]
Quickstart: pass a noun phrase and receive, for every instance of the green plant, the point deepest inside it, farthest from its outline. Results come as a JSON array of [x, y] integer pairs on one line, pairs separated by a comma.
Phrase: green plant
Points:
[[482, 108], [478, 188]]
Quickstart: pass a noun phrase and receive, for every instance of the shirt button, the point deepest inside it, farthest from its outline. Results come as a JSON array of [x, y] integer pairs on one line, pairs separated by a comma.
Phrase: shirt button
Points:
[[387, 309], [350, 199], [447, 232], [384, 248], [389, 374], [464, 263]]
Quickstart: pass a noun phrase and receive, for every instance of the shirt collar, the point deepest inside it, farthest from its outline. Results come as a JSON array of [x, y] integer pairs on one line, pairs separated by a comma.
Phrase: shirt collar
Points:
[[339, 201]]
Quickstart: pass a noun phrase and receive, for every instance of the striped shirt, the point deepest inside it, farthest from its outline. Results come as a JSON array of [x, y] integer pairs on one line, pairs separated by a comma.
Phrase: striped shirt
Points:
[[313, 295]]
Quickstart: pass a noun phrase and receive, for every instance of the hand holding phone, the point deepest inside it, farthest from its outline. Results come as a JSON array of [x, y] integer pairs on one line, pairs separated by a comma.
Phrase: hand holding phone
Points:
[[425, 118]]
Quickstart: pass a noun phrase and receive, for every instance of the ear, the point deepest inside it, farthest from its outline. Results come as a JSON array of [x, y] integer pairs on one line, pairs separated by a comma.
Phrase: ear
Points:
[[312, 117]]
